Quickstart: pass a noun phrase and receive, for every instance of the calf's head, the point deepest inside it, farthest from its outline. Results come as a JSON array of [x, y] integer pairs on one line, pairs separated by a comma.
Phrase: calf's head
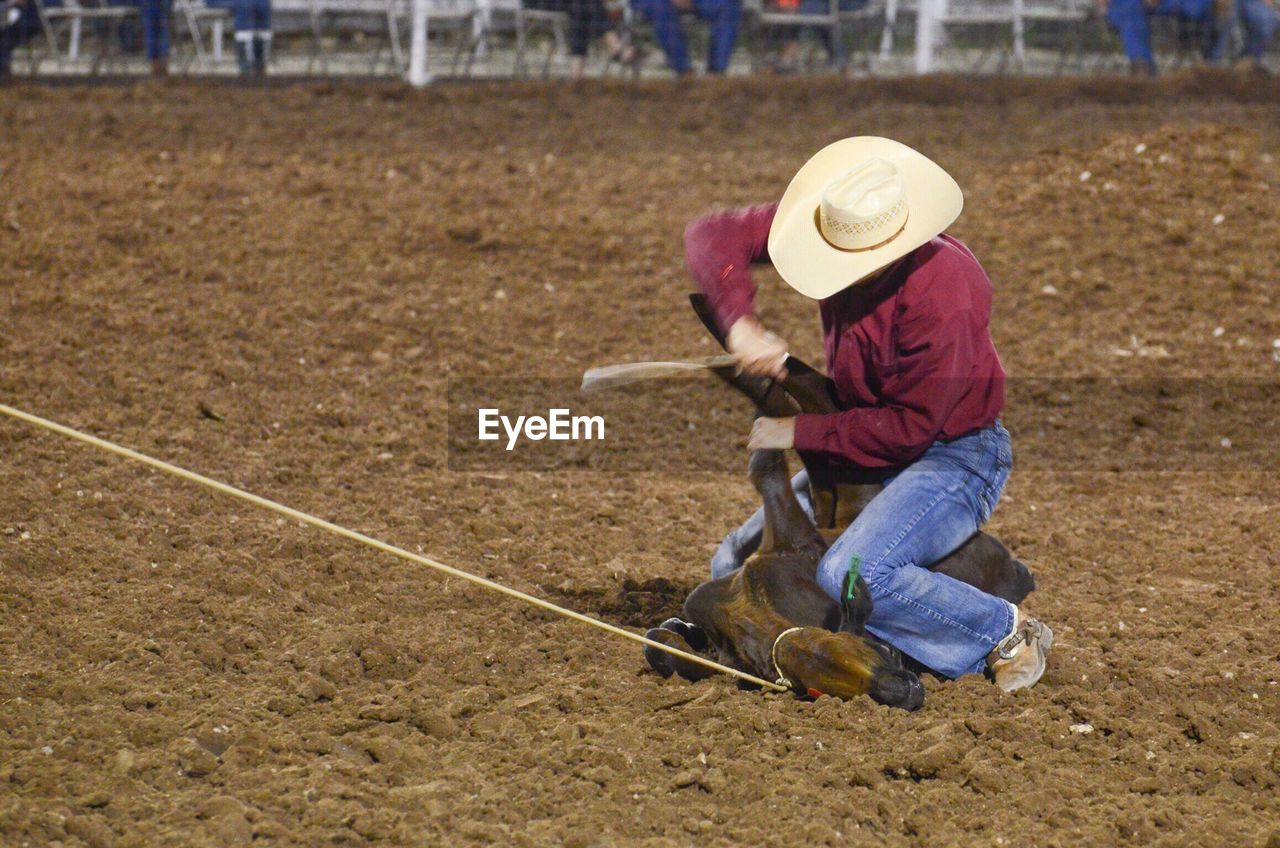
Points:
[[818, 661]]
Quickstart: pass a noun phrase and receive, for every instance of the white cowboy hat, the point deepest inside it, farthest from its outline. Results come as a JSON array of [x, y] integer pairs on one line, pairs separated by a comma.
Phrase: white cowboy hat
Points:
[[857, 206]]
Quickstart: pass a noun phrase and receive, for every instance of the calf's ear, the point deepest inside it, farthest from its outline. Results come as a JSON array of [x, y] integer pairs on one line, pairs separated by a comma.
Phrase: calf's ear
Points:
[[855, 611]]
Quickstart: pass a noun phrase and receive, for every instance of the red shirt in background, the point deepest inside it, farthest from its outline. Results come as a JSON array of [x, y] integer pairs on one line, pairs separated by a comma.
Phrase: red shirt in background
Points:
[[909, 351]]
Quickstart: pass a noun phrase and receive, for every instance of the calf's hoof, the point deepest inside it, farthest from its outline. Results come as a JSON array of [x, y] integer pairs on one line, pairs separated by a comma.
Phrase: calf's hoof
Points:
[[660, 661], [666, 664], [692, 633], [897, 687]]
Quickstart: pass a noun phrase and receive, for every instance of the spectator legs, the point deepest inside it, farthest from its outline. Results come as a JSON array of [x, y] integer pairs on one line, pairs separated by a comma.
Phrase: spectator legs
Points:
[[8, 41], [1203, 13], [261, 51], [253, 35], [261, 35], [23, 28], [587, 20], [665, 18], [244, 50], [579, 31], [1218, 42], [155, 33], [1129, 17], [725, 17], [1259, 20]]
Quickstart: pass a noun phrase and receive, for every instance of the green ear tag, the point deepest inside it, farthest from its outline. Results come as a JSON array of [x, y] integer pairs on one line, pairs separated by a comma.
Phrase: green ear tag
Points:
[[855, 569]]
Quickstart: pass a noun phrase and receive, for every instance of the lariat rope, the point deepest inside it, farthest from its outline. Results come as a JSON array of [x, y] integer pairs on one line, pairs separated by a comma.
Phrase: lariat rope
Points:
[[338, 530]]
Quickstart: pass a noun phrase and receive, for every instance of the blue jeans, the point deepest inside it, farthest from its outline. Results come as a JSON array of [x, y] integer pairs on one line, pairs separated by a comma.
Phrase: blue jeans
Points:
[[1259, 22], [925, 512], [155, 27], [724, 15], [1129, 17], [252, 15], [252, 21]]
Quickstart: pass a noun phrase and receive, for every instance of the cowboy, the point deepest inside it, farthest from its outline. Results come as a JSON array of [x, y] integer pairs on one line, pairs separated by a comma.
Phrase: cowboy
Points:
[[905, 311]]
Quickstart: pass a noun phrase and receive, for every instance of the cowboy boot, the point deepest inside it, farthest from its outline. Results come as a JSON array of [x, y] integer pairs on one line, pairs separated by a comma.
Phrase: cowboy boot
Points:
[[1018, 660]]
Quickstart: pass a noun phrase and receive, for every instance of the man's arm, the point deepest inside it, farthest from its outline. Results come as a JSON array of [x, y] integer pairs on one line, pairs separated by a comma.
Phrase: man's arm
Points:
[[719, 249]]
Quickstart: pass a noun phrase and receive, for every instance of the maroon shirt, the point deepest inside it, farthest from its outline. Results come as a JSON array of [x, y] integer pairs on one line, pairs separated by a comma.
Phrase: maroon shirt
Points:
[[909, 351]]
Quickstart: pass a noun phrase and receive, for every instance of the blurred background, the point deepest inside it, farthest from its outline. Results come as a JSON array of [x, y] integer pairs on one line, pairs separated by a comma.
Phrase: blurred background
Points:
[[424, 40]]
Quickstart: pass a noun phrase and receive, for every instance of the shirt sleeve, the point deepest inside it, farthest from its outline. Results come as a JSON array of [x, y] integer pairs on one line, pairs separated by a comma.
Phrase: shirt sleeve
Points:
[[935, 362], [719, 249]]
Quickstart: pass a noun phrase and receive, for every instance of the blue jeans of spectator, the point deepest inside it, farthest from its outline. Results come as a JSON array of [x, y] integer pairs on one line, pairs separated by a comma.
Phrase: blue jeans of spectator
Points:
[[155, 27], [1129, 17], [822, 7], [252, 15], [925, 512], [252, 20], [1259, 22], [724, 16]]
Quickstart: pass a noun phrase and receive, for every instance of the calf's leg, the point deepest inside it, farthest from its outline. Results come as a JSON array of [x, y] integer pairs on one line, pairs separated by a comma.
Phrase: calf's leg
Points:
[[787, 526], [986, 563], [743, 541]]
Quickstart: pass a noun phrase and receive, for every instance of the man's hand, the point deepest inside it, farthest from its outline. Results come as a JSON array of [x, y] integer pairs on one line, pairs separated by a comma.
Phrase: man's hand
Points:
[[759, 352], [772, 434]]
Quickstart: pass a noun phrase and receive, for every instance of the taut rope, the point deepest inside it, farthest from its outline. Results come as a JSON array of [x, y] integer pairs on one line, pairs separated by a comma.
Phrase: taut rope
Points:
[[338, 530]]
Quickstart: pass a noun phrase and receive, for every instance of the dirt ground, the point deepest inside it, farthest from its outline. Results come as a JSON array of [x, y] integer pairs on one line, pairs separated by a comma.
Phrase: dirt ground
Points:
[[274, 287]]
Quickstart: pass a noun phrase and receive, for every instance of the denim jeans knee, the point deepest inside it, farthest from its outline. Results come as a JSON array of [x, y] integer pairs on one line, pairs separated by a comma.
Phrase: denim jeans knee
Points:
[[924, 513]]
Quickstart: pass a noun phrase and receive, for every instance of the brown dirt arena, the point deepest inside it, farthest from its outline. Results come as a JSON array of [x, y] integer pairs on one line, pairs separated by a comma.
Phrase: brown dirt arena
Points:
[[274, 286]]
